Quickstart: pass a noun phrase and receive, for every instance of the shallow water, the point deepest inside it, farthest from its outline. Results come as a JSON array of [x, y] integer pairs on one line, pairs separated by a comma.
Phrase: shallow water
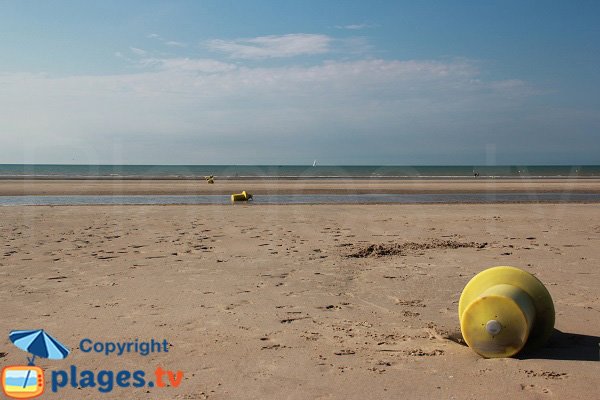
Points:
[[304, 199]]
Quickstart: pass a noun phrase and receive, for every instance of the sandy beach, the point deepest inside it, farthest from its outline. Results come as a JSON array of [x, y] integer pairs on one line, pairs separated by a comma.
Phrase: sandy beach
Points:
[[288, 301]]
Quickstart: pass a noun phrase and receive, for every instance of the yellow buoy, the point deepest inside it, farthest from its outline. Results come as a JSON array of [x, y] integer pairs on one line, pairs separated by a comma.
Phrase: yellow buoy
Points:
[[504, 308], [241, 197]]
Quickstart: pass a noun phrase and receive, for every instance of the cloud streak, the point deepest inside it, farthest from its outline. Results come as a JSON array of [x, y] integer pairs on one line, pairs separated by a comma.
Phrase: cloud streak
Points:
[[198, 65], [170, 43], [138, 52], [355, 27], [282, 46]]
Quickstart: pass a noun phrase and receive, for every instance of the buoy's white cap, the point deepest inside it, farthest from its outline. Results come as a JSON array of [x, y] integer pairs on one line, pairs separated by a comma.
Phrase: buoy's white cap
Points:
[[493, 327]]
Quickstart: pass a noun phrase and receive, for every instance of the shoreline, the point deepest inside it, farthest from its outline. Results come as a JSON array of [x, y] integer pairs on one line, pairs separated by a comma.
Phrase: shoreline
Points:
[[37, 187], [288, 200], [271, 205], [276, 178]]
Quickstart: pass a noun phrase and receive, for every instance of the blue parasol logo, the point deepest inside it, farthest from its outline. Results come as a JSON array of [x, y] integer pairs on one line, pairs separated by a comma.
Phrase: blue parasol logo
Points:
[[39, 344]]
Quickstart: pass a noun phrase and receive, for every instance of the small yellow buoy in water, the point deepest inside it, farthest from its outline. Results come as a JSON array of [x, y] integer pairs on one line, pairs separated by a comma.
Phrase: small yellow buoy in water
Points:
[[503, 308], [241, 197]]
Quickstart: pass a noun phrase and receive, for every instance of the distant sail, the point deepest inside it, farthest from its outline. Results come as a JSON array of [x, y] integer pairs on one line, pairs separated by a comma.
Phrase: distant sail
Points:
[[315, 163]]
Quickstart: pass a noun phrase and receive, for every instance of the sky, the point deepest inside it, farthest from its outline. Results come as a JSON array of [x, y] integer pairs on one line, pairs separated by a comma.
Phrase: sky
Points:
[[288, 82]]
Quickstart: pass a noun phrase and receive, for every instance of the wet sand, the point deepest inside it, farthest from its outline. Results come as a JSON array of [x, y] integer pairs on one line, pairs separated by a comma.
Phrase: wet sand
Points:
[[311, 186], [267, 301]]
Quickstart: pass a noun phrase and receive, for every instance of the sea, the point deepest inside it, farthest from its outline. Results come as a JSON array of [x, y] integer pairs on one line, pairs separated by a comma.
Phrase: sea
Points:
[[73, 171]]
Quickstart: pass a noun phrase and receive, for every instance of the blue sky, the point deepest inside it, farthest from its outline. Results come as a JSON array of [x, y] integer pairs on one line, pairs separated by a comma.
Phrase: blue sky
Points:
[[286, 82]]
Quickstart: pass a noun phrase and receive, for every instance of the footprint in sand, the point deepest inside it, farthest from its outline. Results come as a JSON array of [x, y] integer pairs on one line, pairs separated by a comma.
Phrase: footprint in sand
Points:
[[409, 303], [546, 374], [535, 389], [311, 336], [424, 353], [268, 344]]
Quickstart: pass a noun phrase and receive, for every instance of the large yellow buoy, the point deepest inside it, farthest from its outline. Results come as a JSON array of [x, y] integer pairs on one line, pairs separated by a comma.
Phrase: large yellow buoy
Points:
[[504, 308], [241, 197]]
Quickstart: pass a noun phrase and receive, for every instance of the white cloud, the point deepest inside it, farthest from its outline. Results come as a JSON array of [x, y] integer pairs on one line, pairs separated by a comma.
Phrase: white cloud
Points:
[[138, 52], [188, 64], [173, 43], [207, 111], [261, 47], [355, 27]]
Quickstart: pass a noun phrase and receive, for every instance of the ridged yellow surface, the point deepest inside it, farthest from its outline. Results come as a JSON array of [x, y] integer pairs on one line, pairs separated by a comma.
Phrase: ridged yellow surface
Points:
[[513, 300], [240, 196]]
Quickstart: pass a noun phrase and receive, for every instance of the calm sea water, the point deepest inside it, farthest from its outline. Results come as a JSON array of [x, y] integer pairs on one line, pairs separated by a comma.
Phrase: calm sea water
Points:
[[50, 171]]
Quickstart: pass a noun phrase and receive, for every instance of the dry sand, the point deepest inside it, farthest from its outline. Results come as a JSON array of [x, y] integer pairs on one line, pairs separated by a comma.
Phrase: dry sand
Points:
[[263, 302], [310, 186]]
